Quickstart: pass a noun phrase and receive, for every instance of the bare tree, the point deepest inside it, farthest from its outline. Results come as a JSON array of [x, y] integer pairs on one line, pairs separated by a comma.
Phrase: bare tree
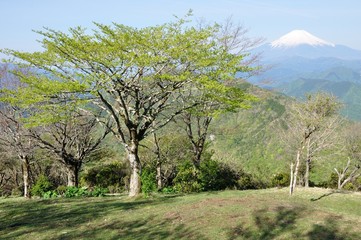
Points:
[[326, 138], [73, 140], [16, 139], [309, 127], [352, 170]]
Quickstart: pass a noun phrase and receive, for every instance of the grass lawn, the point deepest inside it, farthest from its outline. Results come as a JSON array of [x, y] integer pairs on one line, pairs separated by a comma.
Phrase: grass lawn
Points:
[[257, 214]]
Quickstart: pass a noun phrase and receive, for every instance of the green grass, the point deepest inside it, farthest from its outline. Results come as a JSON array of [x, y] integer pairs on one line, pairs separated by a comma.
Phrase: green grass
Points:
[[258, 214]]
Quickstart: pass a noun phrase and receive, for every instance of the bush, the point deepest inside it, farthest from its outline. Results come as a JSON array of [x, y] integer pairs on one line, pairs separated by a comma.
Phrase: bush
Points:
[[76, 192], [16, 192], [280, 180], [148, 181], [168, 190], [106, 175], [187, 179], [246, 182], [41, 186], [349, 186], [61, 190], [216, 176], [71, 192], [98, 192], [115, 188], [210, 176], [333, 181], [50, 194]]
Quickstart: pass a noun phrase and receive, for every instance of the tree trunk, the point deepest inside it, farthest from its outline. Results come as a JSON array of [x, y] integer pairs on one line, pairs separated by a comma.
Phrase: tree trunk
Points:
[[307, 173], [72, 171], [308, 163], [26, 176], [294, 173], [159, 176], [197, 150], [136, 169], [291, 179], [71, 178]]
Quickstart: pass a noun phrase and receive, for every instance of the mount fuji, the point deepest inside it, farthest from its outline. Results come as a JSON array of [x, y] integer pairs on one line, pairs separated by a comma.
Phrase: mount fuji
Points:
[[299, 63], [300, 43]]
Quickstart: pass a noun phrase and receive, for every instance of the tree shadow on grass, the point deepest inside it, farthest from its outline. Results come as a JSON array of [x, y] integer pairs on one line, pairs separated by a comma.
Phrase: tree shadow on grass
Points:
[[283, 225], [330, 230], [322, 196], [268, 226], [148, 228], [23, 217], [330, 193]]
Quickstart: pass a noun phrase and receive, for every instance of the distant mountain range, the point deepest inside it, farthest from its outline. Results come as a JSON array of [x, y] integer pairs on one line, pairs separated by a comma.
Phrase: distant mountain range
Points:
[[300, 62]]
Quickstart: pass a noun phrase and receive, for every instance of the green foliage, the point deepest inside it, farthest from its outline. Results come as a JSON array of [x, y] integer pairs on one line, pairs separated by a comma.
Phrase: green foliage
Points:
[[216, 176], [16, 192], [169, 190], [61, 190], [210, 176], [112, 174], [50, 194], [187, 178], [332, 181], [41, 186], [349, 186], [246, 181], [280, 179], [76, 192], [70, 192], [98, 192], [148, 181]]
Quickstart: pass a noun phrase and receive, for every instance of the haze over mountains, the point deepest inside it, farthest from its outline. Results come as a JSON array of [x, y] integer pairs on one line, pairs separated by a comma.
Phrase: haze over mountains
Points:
[[300, 62]]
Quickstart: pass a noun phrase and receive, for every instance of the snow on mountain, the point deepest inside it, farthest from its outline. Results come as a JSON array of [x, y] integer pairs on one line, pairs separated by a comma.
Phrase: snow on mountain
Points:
[[300, 43], [299, 37]]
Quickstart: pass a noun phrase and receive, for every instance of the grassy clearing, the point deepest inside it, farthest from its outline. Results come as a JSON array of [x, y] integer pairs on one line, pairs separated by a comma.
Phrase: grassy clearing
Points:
[[259, 214]]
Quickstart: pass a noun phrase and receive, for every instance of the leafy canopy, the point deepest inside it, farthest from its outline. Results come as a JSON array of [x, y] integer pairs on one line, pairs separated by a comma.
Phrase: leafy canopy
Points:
[[135, 76]]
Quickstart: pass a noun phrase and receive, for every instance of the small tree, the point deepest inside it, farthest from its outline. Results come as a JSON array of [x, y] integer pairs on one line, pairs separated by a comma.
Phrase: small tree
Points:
[[352, 170], [15, 138], [308, 119], [72, 139]]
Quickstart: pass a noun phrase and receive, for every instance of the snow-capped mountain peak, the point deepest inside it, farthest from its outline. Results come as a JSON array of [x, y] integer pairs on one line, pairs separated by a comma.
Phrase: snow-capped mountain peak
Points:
[[299, 37]]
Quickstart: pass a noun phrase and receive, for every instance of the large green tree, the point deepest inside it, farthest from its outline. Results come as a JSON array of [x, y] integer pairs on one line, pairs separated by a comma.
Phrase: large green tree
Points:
[[137, 77]]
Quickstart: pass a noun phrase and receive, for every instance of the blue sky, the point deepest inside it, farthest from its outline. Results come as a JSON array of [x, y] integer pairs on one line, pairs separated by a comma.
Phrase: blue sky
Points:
[[335, 21]]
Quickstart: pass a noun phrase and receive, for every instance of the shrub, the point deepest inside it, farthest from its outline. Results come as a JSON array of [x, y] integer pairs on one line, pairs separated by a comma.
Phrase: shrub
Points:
[[349, 186], [358, 184], [106, 175], [16, 192], [211, 175], [50, 194], [61, 190], [333, 180], [246, 182], [76, 192], [98, 192], [168, 190], [187, 180], [148, 181], [280, 180], [216, 176], [71, 192], [116, 188], [41, 186]]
